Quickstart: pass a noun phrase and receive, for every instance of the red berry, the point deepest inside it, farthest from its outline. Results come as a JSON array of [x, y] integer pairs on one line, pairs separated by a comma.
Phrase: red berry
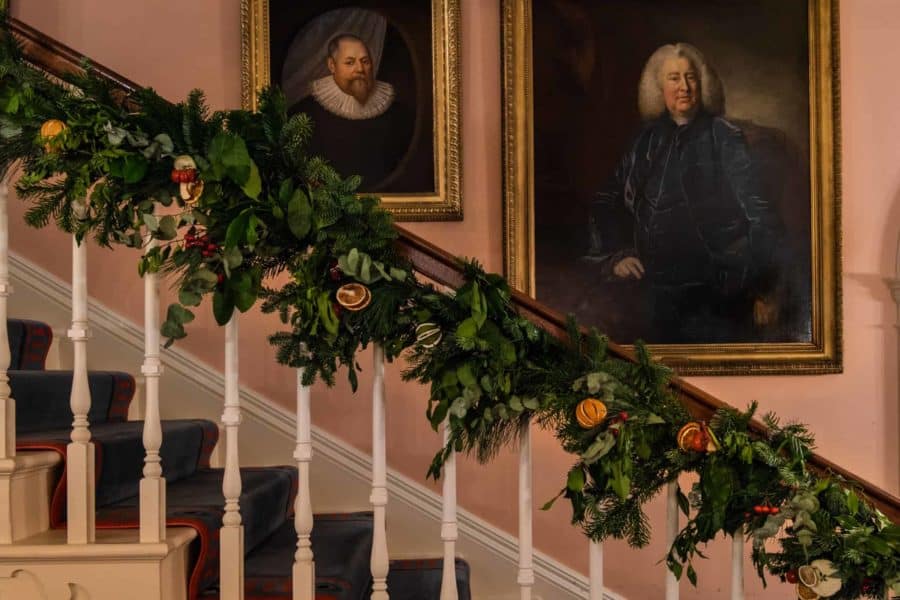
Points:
[[221, 278], [746, 515], [773, 510], [189, 175], [758, 509], [175, 176], [791, 576], [623, 415], [335, 274]]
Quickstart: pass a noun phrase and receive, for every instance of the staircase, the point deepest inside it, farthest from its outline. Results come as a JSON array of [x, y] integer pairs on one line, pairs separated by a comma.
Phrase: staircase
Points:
[[193, 501], [341, 542]]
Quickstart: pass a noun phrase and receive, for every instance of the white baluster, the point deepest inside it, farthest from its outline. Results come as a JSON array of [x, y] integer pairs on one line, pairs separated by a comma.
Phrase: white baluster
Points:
[[80, 452], [231, 564], [153, 485], [737, 566], [379, 562], [526, 570], [595, 570], [7, 403], [671, 533], [304, 574], [449, 532]]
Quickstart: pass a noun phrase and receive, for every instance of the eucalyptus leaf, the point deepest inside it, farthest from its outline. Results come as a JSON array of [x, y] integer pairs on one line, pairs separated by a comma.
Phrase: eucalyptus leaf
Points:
[[151, 221], [167, 228]]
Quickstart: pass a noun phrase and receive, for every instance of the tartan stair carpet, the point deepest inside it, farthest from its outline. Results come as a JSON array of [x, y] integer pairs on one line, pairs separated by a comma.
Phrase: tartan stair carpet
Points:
[[341, 542]]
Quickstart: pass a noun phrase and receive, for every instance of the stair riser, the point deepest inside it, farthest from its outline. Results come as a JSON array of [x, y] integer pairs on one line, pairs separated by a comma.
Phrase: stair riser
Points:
[[25, 495]]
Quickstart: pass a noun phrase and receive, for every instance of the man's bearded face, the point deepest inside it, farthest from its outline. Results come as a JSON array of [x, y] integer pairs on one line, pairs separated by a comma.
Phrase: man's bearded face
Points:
[[351, 68], [681, 87]]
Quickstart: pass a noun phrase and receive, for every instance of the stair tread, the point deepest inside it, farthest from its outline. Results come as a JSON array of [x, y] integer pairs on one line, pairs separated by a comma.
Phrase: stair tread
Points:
[[119, 455], [266, 501], [42, 398], [342, 544]]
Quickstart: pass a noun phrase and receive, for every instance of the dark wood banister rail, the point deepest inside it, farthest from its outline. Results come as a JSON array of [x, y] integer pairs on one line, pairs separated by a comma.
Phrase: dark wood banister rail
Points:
[[444, 268]]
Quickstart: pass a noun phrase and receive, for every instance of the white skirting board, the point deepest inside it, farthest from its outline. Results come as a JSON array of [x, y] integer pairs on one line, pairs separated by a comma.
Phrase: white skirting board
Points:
[[343, 484]]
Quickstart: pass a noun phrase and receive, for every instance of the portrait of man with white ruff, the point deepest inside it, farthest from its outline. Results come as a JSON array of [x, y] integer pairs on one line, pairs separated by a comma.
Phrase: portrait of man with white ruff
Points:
[[330, 73]]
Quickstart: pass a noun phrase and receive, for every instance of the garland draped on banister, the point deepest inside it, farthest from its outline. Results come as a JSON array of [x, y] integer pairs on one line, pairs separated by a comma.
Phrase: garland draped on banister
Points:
[[231, 199]]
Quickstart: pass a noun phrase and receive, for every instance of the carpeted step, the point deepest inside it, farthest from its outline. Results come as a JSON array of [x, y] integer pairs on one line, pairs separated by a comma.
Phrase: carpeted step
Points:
[[342, 545], [42, 398], [266, 502], [29, 343], [119, 456], [421, 579]]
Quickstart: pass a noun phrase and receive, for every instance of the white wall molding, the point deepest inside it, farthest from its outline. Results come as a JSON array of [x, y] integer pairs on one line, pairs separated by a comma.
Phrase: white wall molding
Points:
[[27, 274]]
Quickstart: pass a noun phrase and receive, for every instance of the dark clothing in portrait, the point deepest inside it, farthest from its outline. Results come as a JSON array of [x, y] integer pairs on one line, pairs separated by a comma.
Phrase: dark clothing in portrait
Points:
[[371, 148], [699, 225]]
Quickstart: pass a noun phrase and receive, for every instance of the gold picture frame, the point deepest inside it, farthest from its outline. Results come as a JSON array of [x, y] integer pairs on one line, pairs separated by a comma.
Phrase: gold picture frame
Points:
[[442, 100], [815, 346]]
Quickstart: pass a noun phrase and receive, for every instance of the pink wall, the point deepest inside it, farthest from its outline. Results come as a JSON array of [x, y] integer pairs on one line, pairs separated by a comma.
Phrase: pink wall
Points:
[[178, 46]]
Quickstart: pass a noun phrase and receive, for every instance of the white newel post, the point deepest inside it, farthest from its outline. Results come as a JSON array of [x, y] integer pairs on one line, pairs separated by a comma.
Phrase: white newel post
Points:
[[231, 578], [7, 404], [526, 570], [153, 485], [449, 531], [379, 562], [595, 570], [80, 452], [671, 533], [304, 574], [737, 566]]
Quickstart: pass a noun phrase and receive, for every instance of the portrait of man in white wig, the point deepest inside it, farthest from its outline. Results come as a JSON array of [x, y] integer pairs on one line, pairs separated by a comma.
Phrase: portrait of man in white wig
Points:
[[704, 236], [360, 126]]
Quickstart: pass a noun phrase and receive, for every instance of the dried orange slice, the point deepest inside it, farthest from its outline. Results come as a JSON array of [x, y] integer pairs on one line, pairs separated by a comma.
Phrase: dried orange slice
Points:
[[52, 128], [191, 192], [49, 130], [806, 593], [590, 412], [354, 296], [808, 575], [688, 434]]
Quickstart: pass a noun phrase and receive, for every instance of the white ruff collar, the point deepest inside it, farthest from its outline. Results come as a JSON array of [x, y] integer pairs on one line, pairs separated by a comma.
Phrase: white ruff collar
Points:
[[337, 102]]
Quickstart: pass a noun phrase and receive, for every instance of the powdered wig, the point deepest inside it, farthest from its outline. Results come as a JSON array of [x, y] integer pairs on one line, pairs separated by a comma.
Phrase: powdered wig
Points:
[[650, 96]]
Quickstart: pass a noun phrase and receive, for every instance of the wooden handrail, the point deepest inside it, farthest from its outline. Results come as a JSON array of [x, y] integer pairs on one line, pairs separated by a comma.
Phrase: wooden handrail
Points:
[[444, 268]]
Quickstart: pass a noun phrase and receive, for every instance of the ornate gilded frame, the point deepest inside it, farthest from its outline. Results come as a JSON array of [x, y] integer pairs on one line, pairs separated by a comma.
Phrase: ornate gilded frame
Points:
[[823, 354], [445, 203]]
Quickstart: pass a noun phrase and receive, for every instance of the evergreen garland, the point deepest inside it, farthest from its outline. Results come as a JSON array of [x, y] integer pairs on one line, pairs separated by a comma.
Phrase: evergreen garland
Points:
[[266, 208]]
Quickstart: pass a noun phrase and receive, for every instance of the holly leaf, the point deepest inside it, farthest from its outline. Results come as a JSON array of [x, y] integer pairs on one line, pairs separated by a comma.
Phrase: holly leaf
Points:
[[237, 229], [575, 480], [299, 214], [131, 168], [244, 291], [223, 306], [253, 186]]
